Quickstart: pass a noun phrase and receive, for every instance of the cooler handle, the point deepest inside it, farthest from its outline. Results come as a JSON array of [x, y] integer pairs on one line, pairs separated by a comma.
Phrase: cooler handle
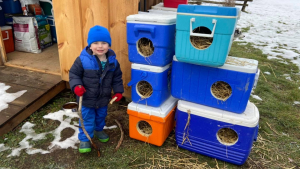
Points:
[[145, 28], [6, 35], [143, 75], [214, 21]]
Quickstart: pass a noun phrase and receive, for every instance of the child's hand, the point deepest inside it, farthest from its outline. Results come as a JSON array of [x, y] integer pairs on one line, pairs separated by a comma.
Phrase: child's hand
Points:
[[118, 96], [79, 90]]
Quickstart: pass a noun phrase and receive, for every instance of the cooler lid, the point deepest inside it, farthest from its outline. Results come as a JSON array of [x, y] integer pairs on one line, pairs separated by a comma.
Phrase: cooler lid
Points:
[[160, 6], [162, 12], [149, 68], [152, 18], [5, 28], [161, 111], [249, 118], [238, 64], [209, 10]]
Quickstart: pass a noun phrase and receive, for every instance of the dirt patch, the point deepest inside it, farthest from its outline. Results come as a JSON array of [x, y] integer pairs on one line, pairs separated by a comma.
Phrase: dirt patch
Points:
[[66, 133]]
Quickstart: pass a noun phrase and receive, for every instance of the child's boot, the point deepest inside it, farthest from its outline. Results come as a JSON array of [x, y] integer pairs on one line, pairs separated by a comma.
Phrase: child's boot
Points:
[[85, 147], [103, 137]]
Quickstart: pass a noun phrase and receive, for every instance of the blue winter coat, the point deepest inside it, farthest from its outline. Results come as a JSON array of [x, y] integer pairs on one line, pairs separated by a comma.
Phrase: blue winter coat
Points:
[[87, 71]]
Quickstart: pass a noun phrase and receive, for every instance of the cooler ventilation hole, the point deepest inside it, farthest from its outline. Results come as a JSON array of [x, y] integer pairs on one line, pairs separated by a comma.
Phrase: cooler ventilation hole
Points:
[[144, 128], [144, 89], [227, 136], [201, 42], [221, 90], [145, 47]]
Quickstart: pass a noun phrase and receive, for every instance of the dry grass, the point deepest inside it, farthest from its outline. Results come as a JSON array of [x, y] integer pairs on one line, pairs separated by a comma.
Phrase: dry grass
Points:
[[144, 89], [221, 90], [145, 127], [227, 136], [201, 42], [145, 47]]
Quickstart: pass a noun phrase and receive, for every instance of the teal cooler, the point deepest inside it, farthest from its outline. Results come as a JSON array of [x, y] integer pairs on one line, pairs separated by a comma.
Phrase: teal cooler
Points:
[[221, 21]]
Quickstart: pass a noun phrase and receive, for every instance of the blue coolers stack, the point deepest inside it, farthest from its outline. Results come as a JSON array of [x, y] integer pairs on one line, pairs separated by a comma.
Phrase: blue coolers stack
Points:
[[214, 116], [151, 47]]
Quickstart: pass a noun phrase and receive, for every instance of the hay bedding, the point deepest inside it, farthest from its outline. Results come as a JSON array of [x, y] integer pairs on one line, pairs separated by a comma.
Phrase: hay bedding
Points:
[[238, 62], [145, 47], [227, 136], [145, 89], [145, 127], [221, 90], [201, 42]]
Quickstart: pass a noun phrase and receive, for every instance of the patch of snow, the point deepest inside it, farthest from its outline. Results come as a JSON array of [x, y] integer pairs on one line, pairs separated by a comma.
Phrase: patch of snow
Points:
[[268, 73], [296, 102], [274, 28], [256, 97], [70, 142], [6, 98]]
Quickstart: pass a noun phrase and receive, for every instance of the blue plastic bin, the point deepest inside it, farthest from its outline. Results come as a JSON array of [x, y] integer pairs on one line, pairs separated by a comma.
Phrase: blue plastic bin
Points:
[[52, 28], [219, 24], [207, 127], [157, 77], [197, 84], [159, 30], [12, 6], [2, 16]]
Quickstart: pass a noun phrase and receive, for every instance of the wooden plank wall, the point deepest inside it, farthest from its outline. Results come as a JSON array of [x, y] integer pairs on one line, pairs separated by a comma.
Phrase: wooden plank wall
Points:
[[73, 20]]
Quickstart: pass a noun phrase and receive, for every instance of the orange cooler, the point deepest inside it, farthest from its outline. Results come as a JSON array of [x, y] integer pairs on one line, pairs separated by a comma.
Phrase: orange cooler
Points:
[[8, 40], [159, 121]]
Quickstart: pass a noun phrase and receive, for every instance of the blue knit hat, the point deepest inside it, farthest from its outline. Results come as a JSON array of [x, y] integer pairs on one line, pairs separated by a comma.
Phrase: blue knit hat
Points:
[[98, 33]]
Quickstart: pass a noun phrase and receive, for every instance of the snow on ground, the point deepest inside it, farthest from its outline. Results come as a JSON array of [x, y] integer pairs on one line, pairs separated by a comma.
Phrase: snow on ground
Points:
[[6, 98], [274, 28], [296, 102], [256, 97], [268, 73], [70, 142]]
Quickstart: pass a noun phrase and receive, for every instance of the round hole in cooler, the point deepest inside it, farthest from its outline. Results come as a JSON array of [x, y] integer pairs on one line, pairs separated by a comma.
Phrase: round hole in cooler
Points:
[[227, 136], [144, 89], [145, 47], [201, 42], [221, 90], [144, 128]]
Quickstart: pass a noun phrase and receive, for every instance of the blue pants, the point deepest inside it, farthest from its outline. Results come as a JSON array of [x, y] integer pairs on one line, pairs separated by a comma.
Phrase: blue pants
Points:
[[93, 119]]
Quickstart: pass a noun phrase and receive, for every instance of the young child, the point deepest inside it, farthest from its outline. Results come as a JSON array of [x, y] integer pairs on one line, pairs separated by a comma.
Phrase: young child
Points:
[[93, 75]]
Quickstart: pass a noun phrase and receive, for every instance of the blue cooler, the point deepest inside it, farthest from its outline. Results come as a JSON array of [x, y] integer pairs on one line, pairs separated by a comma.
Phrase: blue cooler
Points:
[[227, 87], [52, 28], [2, 16], [217, 23], [216, 133], [150, 85], [12, 6], [155, 30]]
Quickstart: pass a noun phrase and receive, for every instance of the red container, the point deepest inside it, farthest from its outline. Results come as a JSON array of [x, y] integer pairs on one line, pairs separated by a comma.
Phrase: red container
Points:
[[174, 3], [8, 40]]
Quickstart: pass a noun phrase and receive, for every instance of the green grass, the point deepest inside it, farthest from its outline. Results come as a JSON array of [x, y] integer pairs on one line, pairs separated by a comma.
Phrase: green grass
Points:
[[278, 144]]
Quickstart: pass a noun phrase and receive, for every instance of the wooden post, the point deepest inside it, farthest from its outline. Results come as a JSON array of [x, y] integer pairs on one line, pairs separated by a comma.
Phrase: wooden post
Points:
[[244, 5]]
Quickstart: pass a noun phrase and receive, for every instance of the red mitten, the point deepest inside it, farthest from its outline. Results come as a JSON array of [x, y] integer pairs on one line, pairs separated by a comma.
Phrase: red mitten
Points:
[[79, 90], [118, 96]]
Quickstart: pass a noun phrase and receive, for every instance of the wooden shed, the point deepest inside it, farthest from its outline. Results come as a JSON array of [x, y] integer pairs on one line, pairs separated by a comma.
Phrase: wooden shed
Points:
[[46, 74]]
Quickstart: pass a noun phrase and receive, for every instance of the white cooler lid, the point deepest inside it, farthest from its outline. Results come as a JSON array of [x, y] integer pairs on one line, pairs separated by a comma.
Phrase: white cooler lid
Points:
[[249, 118], [157, 11], [5, 28], [238, 64], [152, 18], [149, 68], [160, 6], [161, 111]]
